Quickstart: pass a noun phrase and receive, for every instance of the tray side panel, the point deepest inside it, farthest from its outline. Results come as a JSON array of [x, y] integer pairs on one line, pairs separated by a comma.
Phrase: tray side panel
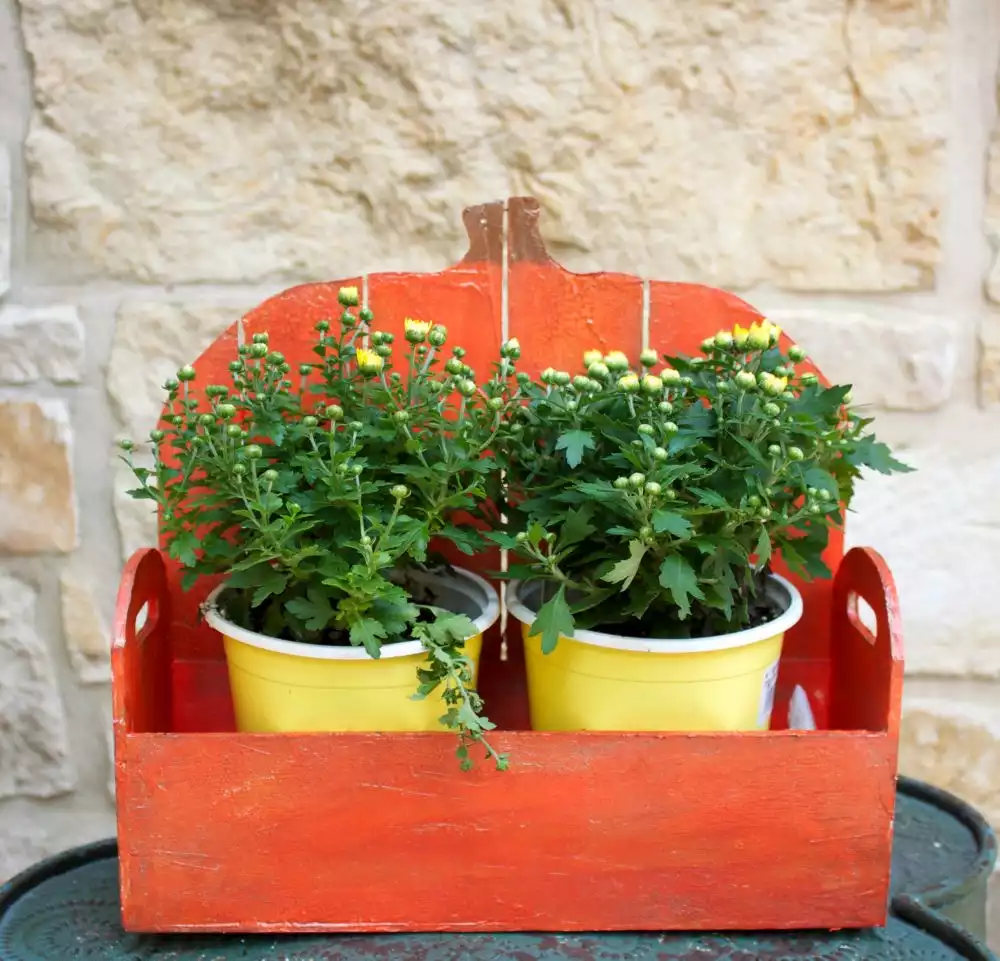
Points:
[[586, 832]]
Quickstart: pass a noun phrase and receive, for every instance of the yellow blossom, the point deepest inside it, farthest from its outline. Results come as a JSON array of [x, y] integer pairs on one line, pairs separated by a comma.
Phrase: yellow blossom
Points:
[[629, 383], [368, 361], [592, 357], [416, 330]]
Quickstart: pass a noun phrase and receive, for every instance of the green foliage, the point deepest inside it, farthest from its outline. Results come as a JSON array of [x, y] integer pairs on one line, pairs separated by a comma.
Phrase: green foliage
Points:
[[319, 490], [655, 502]]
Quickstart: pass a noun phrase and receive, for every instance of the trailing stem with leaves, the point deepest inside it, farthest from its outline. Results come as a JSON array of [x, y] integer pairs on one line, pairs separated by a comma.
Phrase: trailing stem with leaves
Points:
[[318, 490], [651, 500]]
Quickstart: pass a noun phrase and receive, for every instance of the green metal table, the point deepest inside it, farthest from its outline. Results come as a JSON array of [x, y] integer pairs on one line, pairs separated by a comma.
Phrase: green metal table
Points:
[[67, 909]]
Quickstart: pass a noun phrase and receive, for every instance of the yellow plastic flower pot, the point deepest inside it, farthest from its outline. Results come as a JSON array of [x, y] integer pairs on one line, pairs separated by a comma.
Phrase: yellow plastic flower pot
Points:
[[284, 686], [605, 682]]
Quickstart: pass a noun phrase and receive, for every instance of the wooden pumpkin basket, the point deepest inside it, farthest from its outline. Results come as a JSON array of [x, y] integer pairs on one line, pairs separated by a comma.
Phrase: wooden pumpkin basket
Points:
[[222, 831]]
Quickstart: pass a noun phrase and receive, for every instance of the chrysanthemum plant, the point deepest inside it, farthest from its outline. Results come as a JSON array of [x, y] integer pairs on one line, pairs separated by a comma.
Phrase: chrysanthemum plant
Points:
[[317, 491], [651, 501]]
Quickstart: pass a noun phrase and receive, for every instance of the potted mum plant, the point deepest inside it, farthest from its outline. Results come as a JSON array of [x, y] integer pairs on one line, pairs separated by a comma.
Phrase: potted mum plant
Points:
[[317, 492], [644, 508]]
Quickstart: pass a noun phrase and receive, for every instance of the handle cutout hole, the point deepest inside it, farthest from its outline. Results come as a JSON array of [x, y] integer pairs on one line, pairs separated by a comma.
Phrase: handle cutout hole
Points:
[[142, 615], [862, 616]]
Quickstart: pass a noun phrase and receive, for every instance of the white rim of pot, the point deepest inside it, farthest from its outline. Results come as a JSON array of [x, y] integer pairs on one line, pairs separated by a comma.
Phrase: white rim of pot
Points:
[[720, 642], [465, 582]]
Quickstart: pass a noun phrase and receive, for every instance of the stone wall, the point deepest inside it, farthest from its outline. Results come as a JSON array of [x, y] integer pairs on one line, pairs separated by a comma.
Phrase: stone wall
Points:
[[165, 164]]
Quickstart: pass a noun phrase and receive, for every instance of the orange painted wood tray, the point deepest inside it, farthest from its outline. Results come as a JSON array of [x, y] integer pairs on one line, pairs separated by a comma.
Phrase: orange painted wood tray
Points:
[[221, 831]]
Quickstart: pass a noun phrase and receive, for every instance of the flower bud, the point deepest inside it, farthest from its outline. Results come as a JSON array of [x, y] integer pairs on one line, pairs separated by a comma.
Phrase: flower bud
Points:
[[548, 375], [261, 338], [764, 513], [772, 410], [687, 381], [348, 320], [665, 407], [309, 421], [235, 366], [253, 452], [497, 403], [384, 351], [620, 483], [796, 354], [511, 349], [348, 296], [598, 371], [400, 491], [523, 378], [646, 532], [652, 385], [723, 339], [355, 426], [591, 357], [416, 331], [795, 453], [226, 411], [707, 345], [466, 387], [366, 315], [234, 430], [323, 326], [520, 537], [774, 450], [454, 366], [670, 376], [186, 374], [269, 476], [753, 500], [206, 420], [746, 380], [369, 362], [648, 357], [126, 445], [239, 469], [571, 405], [616, 361], [365, 541], [653, 489], [400, 416], [636, 481], [629, 383], [809, 379], [784, 372], [561, 378], [438, 336], [334, 412], [581, 383], [356, 470], [758, 338], [659, 453], [670, 427], [459, 352], [434, 387], [258, 350], [645, 428], [594, 386]]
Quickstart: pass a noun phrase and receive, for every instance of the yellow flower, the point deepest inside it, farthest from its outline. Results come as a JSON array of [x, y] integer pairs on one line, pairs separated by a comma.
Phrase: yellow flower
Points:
[[369, 362], [740, 335], [348, 296], [416, 330], [771, 384], [629, 383], [759, 336], [652, 384], [592, 357]]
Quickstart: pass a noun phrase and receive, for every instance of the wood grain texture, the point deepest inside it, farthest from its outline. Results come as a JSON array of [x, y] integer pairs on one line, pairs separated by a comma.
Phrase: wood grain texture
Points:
[[586, 832], [368, 832]]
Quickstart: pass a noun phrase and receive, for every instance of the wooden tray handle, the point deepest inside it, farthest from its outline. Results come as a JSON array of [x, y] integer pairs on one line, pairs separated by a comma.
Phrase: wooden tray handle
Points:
[[867, 657], [140, 654]]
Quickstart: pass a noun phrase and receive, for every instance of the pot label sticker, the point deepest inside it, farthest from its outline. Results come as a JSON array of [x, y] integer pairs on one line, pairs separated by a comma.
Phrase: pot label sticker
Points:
[[767, 695]]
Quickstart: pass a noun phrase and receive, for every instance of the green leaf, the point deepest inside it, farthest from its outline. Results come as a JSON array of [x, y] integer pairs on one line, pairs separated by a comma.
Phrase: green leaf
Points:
[[574, 443], [553, 620], [507, 541], [869, 452], [368, 632], [763, 548], [183, 546], [672, 523], [272, 583], [577, 526], [678, 577], [314, 610], [624, 571], [710, 498]]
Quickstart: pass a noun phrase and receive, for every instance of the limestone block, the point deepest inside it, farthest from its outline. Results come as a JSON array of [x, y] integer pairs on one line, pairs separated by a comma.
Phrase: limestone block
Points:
[[896, 360], [939, 531], [993, 213], [6, 220], [42, 343], [151, 341], [37, 501], [989, 362], [34, 752], [734, 142], [87, 634], [137, 519], [954, 742]]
